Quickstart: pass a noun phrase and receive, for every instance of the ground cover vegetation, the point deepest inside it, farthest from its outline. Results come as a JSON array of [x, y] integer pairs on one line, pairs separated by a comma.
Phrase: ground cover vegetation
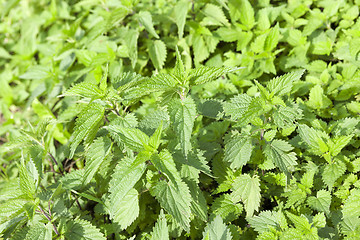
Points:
[[226, 119]]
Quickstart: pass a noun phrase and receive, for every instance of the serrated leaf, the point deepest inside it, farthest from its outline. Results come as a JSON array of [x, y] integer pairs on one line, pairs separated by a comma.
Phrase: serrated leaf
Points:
[[198, 204], [133, 138], [238, 151], [282, 85], [215, 16], [125, 211], [286, 116], [237, 106], [176, 200], [226, 208], [338, 143], [157, 52], [98, 151], [247, 190], [85, 89], [267, 220], [332, 172], [217, 230], [79, 229], [351, 207], [27, 183], [146, 20], [180, 11], [39, 231], [126, 174], [160, 230], [272, 38], [242, 10], [313, 138], [205, 74], [86, 125], [321, 202], [278, 151], [317, 98], [182, 115]]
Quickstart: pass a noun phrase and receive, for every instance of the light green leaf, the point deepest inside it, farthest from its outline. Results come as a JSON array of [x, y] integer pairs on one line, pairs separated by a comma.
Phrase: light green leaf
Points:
[[214, 15], [182, 115], [226, 208], [37, 72], [217, 230], [79, 229], [286, 116], [313, 138], [247, 190], [237, 106], [317, 98], [146, 20], [130, 39], [39, 231], [351, 205], [126, 174], [85, 89], [267, 220], [238, 151], [95, 156], [278, 151], [272, 38], [332, 172], [242, 9], [27, 183], [160, 230], [133, 138], [198, 204], [282, 85], [86, 125], [176, 200], [321, 202], [338, 143], [157, 52], [180, 11], [125, 210], [205, 74]]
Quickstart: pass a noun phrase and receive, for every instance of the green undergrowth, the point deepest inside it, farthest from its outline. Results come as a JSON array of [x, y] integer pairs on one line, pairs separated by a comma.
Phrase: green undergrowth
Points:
[[226, 119]]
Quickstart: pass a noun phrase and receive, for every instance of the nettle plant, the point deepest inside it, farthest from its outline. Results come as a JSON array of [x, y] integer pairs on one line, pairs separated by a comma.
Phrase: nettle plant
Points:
[[179, 166]]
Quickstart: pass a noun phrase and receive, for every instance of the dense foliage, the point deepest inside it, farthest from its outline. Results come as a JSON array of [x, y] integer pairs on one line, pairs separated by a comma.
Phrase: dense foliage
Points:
[[226, 119]]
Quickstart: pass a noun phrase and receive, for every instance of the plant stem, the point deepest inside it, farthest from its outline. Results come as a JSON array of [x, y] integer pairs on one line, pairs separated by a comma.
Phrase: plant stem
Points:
[[49, 219]]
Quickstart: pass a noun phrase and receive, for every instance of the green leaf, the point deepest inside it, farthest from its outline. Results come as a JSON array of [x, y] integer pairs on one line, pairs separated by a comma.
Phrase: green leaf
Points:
[[182, 115], [205, 74], [215, 16], [267, 220], [79, 229], [98, 151], [146, 20], [321, 202], [130, 39], [180, 11], [237, 106], [313, 138], [286, 116], [126, 209], [332, 172], [238, 151], [317, 98], [338, 143], [157, 52], [217, 230], [27, 183], [242, 9], [86, 125], [351, 205], [278, 151], [272, 38], [176, 200], [122, 193], [302, 223], [133, 138], [160, 230], [39, 231], [198, 204], [226, 208], [282, 85], [85, 89], [247, 190]]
